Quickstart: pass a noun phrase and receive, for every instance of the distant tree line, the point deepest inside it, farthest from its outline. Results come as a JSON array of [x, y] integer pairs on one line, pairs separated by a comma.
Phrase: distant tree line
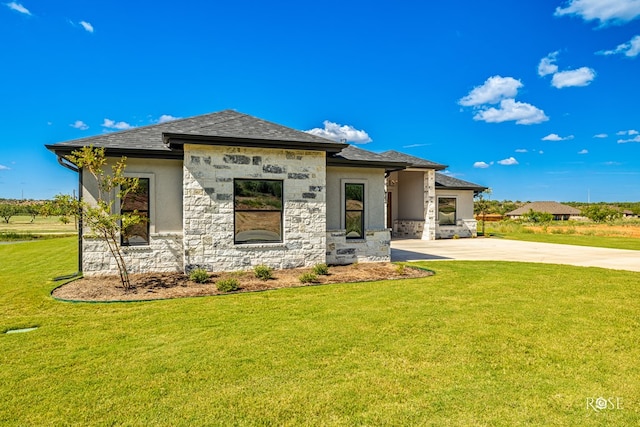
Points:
[[61, 206]]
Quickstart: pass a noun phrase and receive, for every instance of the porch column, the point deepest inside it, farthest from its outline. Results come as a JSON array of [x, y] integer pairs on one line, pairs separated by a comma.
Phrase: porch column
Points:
[[429, 232]]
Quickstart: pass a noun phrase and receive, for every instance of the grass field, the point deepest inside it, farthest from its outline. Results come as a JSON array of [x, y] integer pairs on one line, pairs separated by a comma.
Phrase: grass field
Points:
[[488, 343], [22, 228], [623, 235]]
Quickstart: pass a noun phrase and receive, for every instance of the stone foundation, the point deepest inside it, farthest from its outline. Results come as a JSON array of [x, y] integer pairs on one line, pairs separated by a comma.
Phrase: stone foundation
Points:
[[463, 228], [163, 254], [408, 229], [376, 247]]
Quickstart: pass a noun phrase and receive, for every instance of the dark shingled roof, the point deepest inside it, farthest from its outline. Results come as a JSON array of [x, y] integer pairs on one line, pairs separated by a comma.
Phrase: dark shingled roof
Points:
[[446, 181], [228, 126], [553, 208], [354, 156], [412, 161]]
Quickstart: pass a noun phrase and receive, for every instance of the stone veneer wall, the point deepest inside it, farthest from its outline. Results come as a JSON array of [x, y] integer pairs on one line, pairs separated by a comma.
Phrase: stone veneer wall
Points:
[[163, 254], [208, 213], [429, 231], [408, 228], [376, 247], [463, 228]]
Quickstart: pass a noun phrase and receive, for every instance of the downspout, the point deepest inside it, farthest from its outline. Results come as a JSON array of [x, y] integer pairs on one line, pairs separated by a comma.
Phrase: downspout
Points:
[[64, 162]]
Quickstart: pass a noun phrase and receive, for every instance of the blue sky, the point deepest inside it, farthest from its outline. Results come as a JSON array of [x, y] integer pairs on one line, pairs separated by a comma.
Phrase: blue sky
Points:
[[537, 99]]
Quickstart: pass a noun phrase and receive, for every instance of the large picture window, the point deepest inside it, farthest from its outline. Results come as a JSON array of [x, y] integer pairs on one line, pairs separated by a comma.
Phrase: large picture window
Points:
[[354, 211], [136, 201], [446, 210], [257, 208]]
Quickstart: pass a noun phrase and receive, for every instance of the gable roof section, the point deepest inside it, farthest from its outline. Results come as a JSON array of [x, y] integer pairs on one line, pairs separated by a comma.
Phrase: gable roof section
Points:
[[352, 156], [553, 208], [412, 161], [446, 181], [228, 127]]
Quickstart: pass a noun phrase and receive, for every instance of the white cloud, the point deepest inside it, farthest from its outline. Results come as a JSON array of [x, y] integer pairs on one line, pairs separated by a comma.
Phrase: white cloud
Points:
[[631, 49], [481, 165], [600, 135], [415, 145], [87, 26], [111, 124], [605, 11], [508, 162], [582, 76], [540, 152], [167, 118], [547, 64], [556, 137], [79, 124], [339, 132], [18, 8], [512, 110], [629, 132], [522, 150], [492, 91], [624, 141], [583, 151], [4, 168]]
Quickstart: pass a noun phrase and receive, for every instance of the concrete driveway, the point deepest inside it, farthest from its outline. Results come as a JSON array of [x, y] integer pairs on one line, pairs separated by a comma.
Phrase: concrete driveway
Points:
[[493, 249]]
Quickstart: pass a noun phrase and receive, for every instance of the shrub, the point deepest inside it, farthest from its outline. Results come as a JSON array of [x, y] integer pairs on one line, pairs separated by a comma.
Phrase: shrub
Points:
[[227, 285], [321, 269], [199, 275], [308, 278], [263, 272], [400, 269]]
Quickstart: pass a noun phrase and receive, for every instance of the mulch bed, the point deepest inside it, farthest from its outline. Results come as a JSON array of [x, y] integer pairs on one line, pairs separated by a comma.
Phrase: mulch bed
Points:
[[153, 286]]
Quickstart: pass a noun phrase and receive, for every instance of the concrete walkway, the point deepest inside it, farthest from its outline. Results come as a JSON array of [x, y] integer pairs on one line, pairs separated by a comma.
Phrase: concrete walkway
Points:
[[493, 249]]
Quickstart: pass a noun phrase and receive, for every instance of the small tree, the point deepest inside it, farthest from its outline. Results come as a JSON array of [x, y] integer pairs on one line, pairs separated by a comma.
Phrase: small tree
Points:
[[7, 210], [63, 206], [600, 213], [481, 205], [100, 217], [537, 217]]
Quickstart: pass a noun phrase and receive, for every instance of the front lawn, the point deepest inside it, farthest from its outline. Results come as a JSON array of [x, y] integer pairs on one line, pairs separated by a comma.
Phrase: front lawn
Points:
[[479, 343]]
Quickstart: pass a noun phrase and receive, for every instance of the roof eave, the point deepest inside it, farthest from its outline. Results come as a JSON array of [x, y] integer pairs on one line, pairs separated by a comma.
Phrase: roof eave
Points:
[[65, 150], [173, 141], [387, 166]]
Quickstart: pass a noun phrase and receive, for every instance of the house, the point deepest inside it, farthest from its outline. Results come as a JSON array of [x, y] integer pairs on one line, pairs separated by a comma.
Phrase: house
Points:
[[227, 191], [423, 203], [559, 211]]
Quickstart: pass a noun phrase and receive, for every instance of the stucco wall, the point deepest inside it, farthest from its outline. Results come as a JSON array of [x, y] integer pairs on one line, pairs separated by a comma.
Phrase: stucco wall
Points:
[[464, 201], [466, 225], [374, 196], [208, 217], [164, 252], [410, 192]]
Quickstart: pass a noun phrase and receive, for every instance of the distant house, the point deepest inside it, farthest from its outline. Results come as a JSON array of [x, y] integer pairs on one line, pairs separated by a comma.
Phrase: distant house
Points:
[[626, 213], [559, 211]]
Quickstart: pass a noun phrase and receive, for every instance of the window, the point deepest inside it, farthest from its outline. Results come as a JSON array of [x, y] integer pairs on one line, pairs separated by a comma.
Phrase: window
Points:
[[136, 201], [257, 208], [446, 210], [354, 210]]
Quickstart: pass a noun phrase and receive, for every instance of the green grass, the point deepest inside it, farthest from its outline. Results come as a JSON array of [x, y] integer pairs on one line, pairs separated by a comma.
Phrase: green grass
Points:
[[21, 228], [479, 343]]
